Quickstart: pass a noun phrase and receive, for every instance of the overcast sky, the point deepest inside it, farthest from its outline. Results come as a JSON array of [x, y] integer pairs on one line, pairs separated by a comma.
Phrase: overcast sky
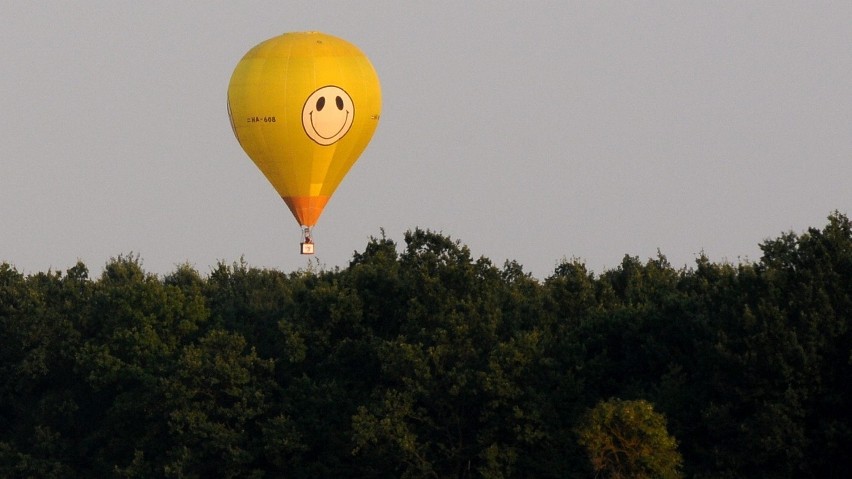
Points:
[[533, 131]]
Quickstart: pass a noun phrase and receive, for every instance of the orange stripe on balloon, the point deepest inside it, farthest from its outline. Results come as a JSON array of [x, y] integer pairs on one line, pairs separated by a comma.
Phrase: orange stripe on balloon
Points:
[[306, 209]]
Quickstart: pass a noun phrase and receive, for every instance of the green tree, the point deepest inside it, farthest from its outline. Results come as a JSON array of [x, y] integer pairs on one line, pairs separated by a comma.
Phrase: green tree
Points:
[[40, 395], [134, 329], [466, 384], [216, 397], [777, 384], [629, 440]]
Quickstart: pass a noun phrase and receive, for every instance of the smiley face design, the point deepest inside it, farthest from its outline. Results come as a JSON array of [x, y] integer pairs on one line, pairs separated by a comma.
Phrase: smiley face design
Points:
[[327, 115]]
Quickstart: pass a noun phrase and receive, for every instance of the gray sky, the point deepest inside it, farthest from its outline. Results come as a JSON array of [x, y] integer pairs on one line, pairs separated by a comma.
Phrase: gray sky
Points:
[[533, 131]]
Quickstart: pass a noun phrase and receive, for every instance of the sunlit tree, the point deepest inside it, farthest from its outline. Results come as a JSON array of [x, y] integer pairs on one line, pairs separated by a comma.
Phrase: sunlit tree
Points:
[[629, 440]]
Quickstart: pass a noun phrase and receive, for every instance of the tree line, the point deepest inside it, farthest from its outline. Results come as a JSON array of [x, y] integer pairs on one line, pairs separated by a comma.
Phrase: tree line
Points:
[[424, 361]]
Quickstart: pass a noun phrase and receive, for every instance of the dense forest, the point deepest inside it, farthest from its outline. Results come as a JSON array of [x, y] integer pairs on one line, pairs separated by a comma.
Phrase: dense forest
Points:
[[424, 361]]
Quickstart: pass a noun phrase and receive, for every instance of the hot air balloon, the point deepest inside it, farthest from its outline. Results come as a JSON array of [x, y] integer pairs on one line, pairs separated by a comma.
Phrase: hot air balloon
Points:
[[303, 107]]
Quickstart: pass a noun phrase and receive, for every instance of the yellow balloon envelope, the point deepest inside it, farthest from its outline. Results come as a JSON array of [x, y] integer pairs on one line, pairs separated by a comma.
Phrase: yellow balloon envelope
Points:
[[303, 107]]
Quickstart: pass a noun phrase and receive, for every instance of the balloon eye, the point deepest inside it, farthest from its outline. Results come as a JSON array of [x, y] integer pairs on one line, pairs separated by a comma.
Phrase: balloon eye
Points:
[[339, 102], [321, 103]]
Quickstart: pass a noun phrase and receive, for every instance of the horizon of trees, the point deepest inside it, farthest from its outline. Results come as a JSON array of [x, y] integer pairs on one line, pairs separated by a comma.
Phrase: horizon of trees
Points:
[[423, 361]]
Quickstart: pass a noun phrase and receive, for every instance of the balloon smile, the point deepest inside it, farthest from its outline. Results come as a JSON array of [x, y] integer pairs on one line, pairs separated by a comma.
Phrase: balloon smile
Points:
[[342, 126], [327, 114]]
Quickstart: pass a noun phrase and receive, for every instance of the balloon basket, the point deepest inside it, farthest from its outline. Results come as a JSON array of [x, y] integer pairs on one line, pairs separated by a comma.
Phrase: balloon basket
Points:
[[307, 244]]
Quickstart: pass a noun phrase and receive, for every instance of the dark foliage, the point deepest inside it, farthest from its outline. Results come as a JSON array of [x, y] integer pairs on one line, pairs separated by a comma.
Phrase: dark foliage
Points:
[[427, 362]]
